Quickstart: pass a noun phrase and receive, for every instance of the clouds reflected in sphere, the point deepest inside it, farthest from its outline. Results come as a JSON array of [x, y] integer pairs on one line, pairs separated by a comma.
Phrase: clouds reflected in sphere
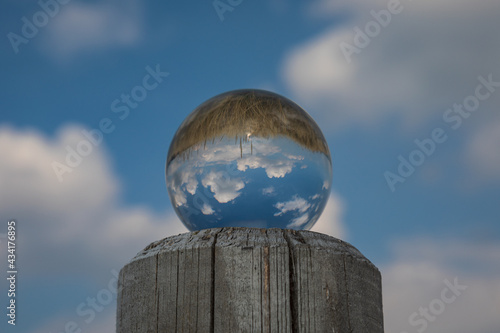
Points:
[[249, 158]]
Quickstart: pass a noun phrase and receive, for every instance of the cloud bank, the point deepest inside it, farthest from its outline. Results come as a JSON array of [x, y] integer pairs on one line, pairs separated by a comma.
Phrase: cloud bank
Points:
[[425, 58]]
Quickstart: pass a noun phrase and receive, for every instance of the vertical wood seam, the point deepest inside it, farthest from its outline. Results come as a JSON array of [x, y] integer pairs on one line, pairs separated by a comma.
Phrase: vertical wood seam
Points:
[[119, 298], [267, 289], [197, 287], [157, 294], [212, 289], [310, 309], [267, 285], [347, 295], [293, 296], [177, 290]]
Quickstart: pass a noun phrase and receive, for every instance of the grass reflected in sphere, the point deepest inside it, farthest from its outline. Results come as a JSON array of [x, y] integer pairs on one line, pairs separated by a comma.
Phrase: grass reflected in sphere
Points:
[[249, 158]]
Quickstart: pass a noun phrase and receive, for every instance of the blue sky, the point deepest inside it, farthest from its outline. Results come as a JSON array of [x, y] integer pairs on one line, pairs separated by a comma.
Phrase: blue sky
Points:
[[375, 75]]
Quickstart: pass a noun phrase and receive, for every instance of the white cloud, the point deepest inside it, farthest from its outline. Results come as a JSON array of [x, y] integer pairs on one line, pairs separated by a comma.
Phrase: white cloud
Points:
[[75, 228], [274, 167], [278, 170], [421, 63], [266, 155], [180, 198], [77, 225], [184, 177], [298, 221], [417, 277], [207, 209], [89, 27], [330, 222], [225, 189], [297, 203], [318, 67], [268, 190], [191, 183]]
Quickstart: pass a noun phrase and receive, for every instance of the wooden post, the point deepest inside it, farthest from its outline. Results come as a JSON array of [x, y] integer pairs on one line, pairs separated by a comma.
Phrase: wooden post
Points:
[[250, 280]]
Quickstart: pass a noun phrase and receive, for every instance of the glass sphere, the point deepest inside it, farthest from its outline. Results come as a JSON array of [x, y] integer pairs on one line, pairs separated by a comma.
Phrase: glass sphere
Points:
[[249, 158]]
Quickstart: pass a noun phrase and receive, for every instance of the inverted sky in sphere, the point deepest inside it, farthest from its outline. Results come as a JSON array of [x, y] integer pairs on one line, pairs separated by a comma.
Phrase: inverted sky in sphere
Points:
[[263, 183]]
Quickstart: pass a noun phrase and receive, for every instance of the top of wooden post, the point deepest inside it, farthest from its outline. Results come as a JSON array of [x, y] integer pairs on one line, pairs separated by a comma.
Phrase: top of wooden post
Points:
[[229, 280], [247, 238]]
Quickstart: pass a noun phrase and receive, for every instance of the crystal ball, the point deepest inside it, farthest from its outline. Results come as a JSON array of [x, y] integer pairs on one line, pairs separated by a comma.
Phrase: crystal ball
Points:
[[249, 158]]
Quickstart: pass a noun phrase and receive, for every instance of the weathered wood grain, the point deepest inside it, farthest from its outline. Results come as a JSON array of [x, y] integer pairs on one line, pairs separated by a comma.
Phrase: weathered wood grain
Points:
[[250, 280]]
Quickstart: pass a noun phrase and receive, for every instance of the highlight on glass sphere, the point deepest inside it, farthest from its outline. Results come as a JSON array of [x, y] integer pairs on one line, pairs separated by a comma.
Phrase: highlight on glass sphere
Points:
[[249, 158]]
